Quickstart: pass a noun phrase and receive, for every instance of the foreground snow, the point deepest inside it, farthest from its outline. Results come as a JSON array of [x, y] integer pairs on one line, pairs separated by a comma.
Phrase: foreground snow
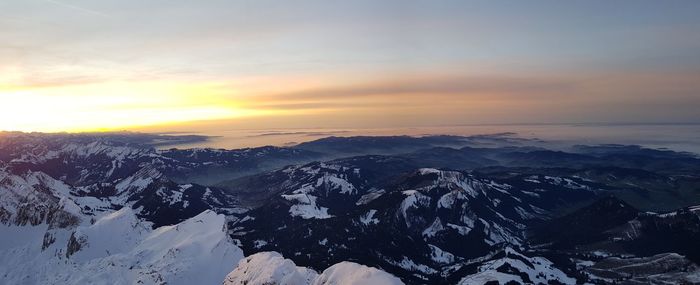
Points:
[[273, 268], [119, 248]]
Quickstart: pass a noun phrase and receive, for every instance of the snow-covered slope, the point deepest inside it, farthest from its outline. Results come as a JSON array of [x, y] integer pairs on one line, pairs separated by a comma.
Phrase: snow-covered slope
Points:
[[518, 268], [119, 248], [269, 268], [349, 273], [273, 268]]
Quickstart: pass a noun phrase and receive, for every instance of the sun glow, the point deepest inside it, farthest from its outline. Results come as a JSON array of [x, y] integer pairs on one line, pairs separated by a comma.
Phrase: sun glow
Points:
[[112, 106]]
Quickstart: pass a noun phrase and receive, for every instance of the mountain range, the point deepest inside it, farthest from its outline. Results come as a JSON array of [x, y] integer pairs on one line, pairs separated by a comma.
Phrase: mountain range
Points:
[[490, 209]]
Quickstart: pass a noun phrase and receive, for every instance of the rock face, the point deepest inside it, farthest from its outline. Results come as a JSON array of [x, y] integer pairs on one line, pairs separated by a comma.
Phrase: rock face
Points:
[[273, 269], [34, 198]]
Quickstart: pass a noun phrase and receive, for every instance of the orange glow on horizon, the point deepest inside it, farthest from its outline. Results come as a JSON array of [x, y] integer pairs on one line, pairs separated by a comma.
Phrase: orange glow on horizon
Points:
[[113, 106], [334, 101]]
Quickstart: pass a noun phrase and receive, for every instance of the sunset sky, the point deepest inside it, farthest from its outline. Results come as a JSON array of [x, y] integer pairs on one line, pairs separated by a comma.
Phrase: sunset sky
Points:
[[86, 65]]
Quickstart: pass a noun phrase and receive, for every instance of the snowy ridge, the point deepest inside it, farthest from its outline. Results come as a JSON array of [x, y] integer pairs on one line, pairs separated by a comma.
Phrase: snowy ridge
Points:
[[116, 153], [269, 268], [73, 150], [138, 181], [349, 273], [196, 250], [273, 268]]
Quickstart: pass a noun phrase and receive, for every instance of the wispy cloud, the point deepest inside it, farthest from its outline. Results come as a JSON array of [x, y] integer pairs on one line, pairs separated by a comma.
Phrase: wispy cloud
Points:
[[400, 92], [447, 85]]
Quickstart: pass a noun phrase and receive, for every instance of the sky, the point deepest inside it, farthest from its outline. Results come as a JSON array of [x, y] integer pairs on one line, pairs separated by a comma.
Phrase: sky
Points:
[[86, 65]]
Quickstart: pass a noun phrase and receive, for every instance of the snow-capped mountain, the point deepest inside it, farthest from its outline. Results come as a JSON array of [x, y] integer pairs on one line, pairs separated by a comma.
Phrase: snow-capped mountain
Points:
[[273, 268], [84, 160], [119, 248], [104, 233], [78, 209]]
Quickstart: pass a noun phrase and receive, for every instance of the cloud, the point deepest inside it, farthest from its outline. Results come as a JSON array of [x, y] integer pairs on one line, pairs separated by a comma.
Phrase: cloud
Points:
[[457, 87]]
